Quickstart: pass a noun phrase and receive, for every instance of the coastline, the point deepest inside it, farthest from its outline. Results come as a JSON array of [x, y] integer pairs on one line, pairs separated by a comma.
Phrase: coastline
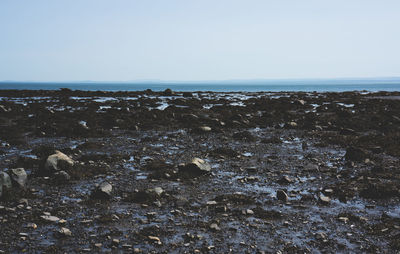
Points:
[[334, 155]]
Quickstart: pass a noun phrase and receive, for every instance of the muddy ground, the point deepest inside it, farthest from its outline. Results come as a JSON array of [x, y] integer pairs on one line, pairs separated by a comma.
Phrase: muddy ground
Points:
[[290, 172]]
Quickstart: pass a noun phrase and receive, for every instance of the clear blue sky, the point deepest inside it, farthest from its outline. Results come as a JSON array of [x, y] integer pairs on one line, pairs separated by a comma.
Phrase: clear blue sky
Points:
[[65, 40]]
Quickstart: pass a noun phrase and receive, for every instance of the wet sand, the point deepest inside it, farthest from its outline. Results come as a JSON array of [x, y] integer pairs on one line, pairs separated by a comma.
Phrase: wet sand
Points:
[[282, 172]]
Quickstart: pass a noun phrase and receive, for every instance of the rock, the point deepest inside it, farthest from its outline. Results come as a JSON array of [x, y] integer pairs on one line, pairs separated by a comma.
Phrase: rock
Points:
[[285, 180], [168, 92], [31, 225], [50, 218], [58, 161], [5, 183], [215, 227], [19, 177], [196, 167], [65, 232], [324, 199], [3, 109], [328, 192], [343, 219], [83, 125], [311, 167], [281, 195], [321, 236], [115, 242], [204, 129], [249, 211], [355, 154], [301, 102], [103, 191], [154, 239], [61, 177], [157, 190]]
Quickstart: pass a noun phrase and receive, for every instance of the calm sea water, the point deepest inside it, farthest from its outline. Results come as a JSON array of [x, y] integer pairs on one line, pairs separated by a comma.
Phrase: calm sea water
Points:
[[229, 86]]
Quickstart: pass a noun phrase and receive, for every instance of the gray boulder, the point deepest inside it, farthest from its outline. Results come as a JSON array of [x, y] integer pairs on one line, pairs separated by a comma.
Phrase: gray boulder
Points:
[[5, 183], [102, 191], [58, 161], [19, 177], [196, 167]]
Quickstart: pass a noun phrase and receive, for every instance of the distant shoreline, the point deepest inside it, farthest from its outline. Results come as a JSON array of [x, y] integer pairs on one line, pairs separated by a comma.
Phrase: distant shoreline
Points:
[[322, 85]]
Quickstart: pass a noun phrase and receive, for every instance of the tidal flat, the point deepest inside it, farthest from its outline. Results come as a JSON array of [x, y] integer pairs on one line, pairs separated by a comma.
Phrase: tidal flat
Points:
[[199, 172]]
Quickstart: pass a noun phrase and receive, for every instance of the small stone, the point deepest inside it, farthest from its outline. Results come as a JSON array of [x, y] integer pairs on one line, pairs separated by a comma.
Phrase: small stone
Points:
[[204, 129], [249, 211], [324, 199], [115, 242], [155, 239], [65, 232], [50, 218], [215, 227], [158, 191], [281, 195], [285, 180], [31, 225], [62, 221], [5, 183], [321, 236], [61, 177]]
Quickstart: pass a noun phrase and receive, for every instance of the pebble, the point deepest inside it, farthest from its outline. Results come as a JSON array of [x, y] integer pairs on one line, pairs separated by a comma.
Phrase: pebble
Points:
[[50, 218], [324, 199], [281, 195], [65, 232], [215, 227]]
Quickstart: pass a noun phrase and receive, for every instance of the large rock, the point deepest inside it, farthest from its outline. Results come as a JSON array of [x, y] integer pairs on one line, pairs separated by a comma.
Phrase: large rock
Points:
[[103, 191], [58, 161], [5, 183], [196, 167], [19, 177]]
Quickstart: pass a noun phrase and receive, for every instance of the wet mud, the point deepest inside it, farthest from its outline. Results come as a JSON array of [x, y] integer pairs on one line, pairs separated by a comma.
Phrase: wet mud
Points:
[[275, 172]]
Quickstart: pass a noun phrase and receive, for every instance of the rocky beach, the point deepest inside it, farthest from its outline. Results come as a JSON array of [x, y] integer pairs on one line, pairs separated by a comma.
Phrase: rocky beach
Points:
[[199, 172]]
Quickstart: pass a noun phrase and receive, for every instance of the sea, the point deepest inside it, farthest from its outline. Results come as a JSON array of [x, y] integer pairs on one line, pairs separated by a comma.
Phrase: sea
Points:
[[293, 85]]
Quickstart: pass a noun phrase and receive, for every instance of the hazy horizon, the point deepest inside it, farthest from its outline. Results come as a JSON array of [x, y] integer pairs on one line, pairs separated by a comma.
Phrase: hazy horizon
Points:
[[182, 41], [397, 79]]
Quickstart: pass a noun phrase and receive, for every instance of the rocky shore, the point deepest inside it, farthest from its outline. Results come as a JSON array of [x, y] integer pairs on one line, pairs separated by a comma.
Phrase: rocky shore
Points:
[[201, 172]]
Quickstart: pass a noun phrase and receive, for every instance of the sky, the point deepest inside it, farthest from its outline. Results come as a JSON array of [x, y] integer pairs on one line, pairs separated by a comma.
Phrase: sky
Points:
[[124, 40]]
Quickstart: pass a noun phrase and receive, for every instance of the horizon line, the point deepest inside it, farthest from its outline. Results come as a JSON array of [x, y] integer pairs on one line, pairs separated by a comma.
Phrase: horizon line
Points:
[[392, 78]]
